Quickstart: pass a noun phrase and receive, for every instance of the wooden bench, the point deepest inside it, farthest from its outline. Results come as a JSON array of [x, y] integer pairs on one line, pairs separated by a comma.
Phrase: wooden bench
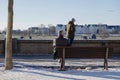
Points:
[[101, 52]]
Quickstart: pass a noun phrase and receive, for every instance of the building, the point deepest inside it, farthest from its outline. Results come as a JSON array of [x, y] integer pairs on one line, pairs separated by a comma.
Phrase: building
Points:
[[113, 29], [33, 30], [60, 27], [91, 28]]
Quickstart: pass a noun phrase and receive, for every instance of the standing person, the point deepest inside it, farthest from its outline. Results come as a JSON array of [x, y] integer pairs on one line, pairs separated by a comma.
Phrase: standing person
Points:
[[70, 31], [60, 41]]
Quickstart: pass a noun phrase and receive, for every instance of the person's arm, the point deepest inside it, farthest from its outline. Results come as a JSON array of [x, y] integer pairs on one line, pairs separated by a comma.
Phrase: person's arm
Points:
[[66, 28], [72, 27]]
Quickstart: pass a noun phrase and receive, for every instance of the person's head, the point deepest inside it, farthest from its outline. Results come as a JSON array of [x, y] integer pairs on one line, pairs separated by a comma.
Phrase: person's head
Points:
[[73, 20], [60, 33]]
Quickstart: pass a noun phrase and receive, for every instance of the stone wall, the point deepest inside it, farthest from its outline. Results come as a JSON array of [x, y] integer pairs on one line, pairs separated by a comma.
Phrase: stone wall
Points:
[[36, 47], [2, 45], [45, 46]]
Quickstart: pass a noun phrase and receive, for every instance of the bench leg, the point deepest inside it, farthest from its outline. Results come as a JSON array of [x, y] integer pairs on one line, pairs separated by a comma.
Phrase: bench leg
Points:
[[62, 68], [106, 60], [105, 64]]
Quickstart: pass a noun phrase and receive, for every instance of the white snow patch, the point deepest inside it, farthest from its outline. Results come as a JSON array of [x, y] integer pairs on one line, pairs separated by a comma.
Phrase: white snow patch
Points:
[[49, 71]]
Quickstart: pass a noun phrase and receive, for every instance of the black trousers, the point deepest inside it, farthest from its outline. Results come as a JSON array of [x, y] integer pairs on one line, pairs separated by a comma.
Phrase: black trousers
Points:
[[55, 53]]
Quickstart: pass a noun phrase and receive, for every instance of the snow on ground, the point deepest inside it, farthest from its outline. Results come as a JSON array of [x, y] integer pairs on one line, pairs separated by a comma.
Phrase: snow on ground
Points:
[[49, 70]]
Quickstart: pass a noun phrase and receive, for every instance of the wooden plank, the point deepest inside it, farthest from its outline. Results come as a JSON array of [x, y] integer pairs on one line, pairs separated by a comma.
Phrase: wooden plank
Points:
[[105, 59], [87, 53]]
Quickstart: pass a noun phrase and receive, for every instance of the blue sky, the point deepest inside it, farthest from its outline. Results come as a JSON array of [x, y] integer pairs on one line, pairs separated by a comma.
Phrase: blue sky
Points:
[[29, 13]]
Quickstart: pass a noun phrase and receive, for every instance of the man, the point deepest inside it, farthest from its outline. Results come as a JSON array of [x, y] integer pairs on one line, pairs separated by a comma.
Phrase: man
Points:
[[60, 41], [70, 31]]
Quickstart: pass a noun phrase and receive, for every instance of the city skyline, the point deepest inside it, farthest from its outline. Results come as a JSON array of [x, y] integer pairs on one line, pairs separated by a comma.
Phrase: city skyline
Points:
[[33, 13]]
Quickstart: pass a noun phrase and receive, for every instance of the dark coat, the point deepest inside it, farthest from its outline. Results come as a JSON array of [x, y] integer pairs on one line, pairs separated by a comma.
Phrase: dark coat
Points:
[[60, 41], [70, 30]]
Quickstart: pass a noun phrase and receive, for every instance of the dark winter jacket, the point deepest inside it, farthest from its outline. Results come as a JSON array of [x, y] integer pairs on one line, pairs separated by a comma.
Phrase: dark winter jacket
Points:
[[60, 41]]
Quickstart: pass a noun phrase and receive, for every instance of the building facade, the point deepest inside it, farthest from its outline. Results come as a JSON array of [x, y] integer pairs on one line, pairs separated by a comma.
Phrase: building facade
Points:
[[91, 29]]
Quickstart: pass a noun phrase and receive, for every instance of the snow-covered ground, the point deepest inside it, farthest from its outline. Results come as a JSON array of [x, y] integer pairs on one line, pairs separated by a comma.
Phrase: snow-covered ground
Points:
[[48, 69]]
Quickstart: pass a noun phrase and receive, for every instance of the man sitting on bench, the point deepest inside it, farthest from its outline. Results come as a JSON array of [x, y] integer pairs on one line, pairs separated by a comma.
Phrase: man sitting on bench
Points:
[[60, 41]]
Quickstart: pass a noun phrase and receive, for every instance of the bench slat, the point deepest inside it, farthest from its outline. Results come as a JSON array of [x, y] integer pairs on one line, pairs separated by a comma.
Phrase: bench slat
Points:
[[96, 52]]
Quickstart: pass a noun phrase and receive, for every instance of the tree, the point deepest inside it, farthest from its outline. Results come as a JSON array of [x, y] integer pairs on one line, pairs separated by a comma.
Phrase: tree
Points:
[[103, 32], [8, 45], [51, 29]]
